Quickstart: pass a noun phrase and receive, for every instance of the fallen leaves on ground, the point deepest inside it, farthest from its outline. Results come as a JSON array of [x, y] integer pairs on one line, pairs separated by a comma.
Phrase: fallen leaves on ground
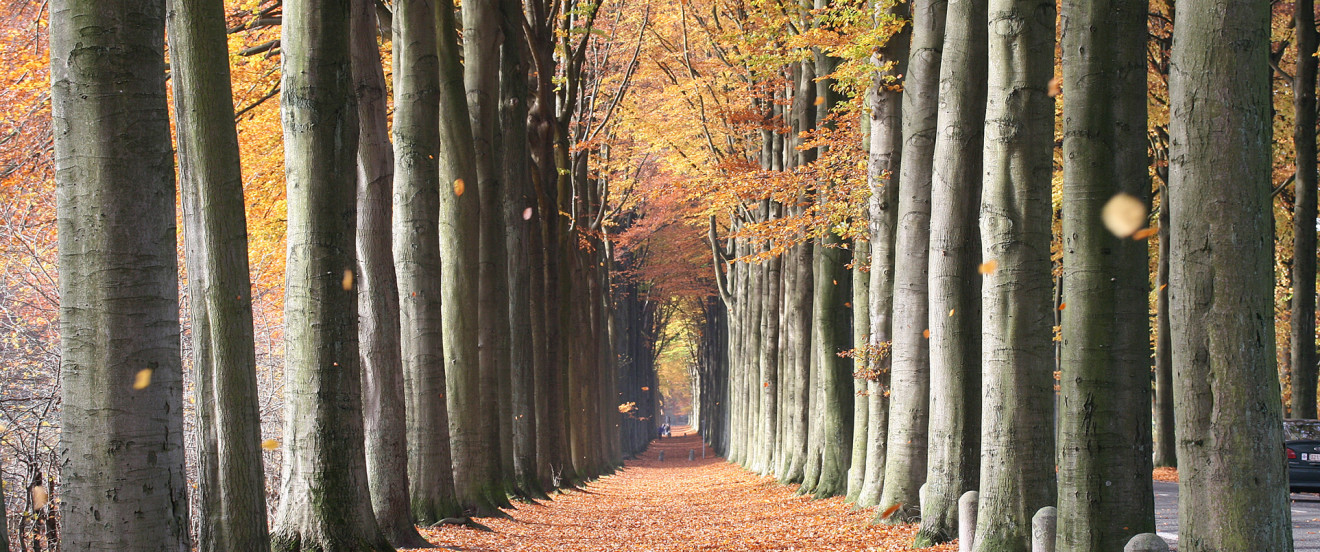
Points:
[[1168, 475], [677, 505]]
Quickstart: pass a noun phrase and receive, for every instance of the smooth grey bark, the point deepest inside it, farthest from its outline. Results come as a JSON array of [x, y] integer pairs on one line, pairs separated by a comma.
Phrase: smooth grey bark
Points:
[[1166, 450], [1304, 213], [416, 199], [861, 327], [1104, 432], [832, 319], [518, 196], [1221, 282], [231, 484], [481, 78], [1017, 437], [905, 462], [325, 503], [383, 406], [475, 468], [882, 168], [121, 449], [953, 465], [797, 321], [769, 356]]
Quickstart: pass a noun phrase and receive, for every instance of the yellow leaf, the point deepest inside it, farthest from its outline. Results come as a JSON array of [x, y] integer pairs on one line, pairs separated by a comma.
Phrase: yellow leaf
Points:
[[143, 379], [988, 267], [348, 280], [270, 444]]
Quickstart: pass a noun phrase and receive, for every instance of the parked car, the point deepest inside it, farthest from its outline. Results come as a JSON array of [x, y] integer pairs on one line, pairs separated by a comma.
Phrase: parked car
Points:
[[1301, 443]]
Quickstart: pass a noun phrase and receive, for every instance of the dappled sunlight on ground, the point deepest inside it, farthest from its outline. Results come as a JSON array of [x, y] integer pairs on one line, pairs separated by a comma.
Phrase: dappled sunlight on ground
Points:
[[677, 505]]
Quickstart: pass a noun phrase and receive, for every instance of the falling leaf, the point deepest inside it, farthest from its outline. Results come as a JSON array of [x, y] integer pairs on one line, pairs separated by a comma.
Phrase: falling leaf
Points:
[[527, 213], [950, 313], [848, 304], [348, 280], [1123, 214], [1056, 86], [765, 384], [39, 497], [1162, 286], [890, 510], [988, 267], [459, 186], [1145, 233], [646, 389], [926, 333], [143, 379], [270, 444], [820, 100], [1063, 306]]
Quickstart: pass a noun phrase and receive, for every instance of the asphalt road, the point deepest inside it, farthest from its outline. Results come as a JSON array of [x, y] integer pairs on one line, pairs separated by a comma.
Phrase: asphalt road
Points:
[[1305, 517]]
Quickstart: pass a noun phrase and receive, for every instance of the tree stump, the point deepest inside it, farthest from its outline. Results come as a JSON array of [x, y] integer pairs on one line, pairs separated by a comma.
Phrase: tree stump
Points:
[[1042, 529]]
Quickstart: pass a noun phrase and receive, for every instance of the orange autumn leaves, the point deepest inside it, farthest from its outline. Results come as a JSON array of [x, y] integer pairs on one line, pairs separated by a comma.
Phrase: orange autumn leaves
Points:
[[677, 505]]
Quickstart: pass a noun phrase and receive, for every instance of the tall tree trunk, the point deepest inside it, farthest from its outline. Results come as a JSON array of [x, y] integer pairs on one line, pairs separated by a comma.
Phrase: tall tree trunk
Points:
[[383, 412], [955, 287], [882, 168], [832, 318], [905, 467], [1221, 282], [1017, 437], [417, 260], [1304, 213], [1104, 426], [518, 200], [861, 327], [475, 467], [231, 483], [324, 499], [1166, 452], [481, 70], [121, 447], [769, 355]]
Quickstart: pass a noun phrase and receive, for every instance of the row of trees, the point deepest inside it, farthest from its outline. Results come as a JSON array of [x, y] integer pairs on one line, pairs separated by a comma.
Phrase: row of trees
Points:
[[450, 330], [983, 358]]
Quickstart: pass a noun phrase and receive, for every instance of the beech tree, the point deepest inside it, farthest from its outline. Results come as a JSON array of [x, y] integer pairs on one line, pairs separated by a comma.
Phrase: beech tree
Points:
[[1017, 440], [416, 244], [1226, 388], [1302, 319], [324, 498], [1104, 430], [121, 442], [905, 466], [954, 438], [231, 488]]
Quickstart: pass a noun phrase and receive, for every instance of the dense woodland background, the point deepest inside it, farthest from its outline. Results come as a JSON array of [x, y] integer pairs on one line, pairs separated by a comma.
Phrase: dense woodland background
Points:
[[688, 220]]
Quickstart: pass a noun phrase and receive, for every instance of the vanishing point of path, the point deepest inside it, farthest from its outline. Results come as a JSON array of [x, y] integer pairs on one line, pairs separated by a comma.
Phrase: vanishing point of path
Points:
[[677, 505]]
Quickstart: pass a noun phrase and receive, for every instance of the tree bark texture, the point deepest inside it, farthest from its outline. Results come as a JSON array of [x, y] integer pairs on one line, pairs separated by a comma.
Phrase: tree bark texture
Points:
[[1304, 214], [324, 499], [121, 448], [1104, 430], [905, 467], [231, 483], [953, 465], [1017, 437], [1226, 388]]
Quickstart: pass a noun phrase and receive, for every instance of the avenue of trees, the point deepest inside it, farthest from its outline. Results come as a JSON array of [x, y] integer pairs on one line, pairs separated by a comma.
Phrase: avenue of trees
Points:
[[307, 274]]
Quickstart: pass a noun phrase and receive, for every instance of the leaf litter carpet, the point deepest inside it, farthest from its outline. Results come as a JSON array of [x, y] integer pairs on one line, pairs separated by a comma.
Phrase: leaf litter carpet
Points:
[[677, 505]]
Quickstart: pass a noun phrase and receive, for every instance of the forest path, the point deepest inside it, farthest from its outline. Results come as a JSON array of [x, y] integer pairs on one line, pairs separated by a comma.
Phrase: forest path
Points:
[[677, 505]]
